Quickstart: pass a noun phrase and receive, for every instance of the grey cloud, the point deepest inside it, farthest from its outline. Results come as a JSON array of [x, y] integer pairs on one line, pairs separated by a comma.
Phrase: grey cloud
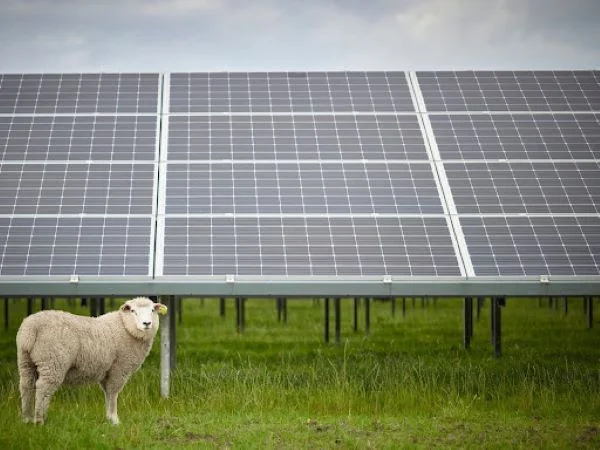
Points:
[[142, 35]]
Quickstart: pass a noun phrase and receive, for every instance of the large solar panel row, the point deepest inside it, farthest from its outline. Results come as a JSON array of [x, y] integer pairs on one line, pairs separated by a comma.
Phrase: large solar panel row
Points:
[[304, 173], [78, 171]]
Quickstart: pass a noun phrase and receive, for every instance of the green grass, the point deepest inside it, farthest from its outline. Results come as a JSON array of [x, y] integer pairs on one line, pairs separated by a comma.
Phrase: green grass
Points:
[[410, 384]]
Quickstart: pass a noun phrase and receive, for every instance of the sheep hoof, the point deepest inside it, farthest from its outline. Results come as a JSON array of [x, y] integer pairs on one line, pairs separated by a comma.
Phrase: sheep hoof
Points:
[[114, 420]]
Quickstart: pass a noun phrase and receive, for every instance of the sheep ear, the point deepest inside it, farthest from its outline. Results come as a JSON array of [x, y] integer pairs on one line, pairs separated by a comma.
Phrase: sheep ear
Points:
[[126, 307], [160, 308]]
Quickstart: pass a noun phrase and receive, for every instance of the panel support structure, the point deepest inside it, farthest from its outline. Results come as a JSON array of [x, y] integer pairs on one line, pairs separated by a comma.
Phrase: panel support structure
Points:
[[6, 320], [337, 305], [496, 325], [165, 354], [326, 321], [468, 321]]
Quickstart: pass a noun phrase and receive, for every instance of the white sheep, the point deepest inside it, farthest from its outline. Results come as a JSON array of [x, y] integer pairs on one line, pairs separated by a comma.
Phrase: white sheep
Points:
[[55, 347]]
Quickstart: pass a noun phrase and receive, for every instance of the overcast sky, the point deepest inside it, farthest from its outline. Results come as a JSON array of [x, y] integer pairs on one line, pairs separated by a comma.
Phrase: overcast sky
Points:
[[257, 35]]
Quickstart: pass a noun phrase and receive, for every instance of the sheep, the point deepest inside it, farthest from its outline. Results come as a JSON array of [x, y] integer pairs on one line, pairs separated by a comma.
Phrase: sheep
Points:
[[56, 347]]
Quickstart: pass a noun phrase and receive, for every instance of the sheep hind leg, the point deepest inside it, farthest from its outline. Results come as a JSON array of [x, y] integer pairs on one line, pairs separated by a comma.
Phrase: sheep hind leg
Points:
[[27, 379], [45, 387]]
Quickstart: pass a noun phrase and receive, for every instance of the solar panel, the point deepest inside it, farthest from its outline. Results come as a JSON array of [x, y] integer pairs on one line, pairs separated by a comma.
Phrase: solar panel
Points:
[[517, 246], [78, 138], [525, 187], [291, 137], [78, 167], [302, 245], [78, 93], [517, 136], [511, 91], [298, 188], [64, 245], [76, 188], [286, 92]]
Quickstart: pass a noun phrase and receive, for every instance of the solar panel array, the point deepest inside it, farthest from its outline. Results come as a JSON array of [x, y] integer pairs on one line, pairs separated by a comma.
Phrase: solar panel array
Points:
[[78, 173], [334, 174], [309, 174], [520, 151]]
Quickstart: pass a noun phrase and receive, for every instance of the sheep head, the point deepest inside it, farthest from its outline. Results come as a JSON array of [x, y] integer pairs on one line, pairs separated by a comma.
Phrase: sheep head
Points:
[[140, 317]]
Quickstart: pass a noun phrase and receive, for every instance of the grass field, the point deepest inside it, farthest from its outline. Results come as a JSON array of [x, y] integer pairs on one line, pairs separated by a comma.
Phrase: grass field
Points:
[[409, 384]]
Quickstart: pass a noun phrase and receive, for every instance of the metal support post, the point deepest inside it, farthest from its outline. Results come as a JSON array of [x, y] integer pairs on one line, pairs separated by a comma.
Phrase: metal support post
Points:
[[6, 321], [338, 312], [367, 316], [29, 306], [590, 312], [468, 321], [497, 303], [479, 306], [393, 302], [222, 307], [172, 332], [326, 320], [165, 353], [355, 315]]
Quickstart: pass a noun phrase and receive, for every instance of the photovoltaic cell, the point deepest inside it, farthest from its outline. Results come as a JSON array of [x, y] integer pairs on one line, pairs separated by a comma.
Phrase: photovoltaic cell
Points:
[[525, 187], [308, 246], [77, 138], [78, 93], [76, 188], [534, 246], [532, 91], [109, 245], [299, 188], [286, 92], [293, 137], [517, 136]]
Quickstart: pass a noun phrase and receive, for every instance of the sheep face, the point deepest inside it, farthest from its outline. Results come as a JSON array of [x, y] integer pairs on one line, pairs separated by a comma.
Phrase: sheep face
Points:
[[140, 316]]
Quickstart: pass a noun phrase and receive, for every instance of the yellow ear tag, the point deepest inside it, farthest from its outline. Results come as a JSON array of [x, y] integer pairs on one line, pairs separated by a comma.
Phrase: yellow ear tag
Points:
[[162, 310]]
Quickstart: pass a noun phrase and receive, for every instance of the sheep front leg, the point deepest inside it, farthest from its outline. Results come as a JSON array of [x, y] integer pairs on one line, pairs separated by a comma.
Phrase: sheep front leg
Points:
[[112, 386]]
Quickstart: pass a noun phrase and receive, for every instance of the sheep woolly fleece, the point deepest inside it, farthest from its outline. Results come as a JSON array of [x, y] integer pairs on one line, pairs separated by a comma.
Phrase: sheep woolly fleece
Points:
[[56, 347]]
